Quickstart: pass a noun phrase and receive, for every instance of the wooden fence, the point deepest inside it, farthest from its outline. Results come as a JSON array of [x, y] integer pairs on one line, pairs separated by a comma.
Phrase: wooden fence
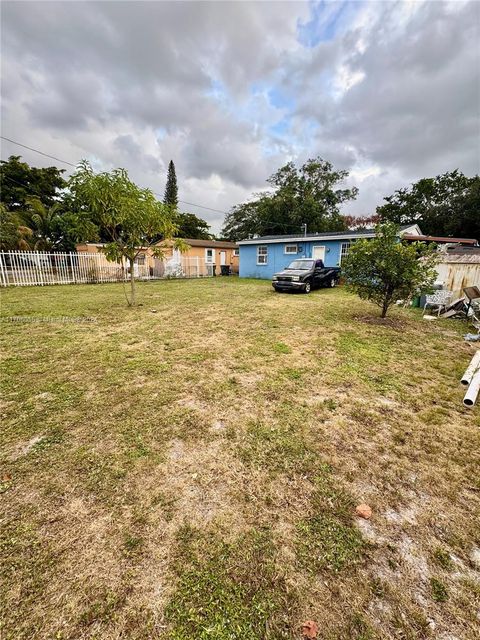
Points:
[[459, 270], [28, 268]]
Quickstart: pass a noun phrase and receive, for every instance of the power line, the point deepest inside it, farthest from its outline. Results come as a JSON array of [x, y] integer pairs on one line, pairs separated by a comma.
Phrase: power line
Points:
[[47, 155], [192, 204], [28, 187], [198, 205]]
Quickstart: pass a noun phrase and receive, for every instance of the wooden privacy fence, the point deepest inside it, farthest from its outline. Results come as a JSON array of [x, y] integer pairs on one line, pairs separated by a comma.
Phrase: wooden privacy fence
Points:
[[27, 268], [459, 270]]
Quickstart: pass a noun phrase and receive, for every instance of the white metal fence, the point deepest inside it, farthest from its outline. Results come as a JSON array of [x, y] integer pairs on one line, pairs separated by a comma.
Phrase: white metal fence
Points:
[[24, 268]]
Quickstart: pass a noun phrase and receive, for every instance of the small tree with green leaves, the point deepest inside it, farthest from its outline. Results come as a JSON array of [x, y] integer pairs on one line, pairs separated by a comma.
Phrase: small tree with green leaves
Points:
[[385, 269], [131, 217]]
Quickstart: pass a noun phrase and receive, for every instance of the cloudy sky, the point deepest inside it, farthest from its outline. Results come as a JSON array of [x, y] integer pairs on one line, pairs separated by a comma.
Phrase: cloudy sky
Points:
[[232, 90]]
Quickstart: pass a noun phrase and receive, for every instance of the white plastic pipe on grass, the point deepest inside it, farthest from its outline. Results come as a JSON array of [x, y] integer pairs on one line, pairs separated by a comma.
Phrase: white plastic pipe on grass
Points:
[[472, 391], [470, 370]]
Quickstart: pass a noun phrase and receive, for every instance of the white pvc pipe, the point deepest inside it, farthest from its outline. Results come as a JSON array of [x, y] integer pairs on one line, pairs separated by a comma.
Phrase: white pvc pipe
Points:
[[470, 370], [472, 391]]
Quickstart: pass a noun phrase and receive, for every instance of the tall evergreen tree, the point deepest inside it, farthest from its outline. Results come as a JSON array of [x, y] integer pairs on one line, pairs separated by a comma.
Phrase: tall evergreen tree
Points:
[[171, 189]]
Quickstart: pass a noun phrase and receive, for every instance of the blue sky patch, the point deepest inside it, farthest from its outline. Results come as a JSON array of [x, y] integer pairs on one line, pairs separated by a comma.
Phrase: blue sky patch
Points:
[[281, 127], [280, 99], [327, 19]]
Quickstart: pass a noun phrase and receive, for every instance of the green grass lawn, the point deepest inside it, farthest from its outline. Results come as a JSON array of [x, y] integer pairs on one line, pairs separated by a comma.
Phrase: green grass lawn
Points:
[[189, 469]]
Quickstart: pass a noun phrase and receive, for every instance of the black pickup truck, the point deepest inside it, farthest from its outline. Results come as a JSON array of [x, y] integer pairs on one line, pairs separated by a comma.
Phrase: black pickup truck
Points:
[[305, 274]]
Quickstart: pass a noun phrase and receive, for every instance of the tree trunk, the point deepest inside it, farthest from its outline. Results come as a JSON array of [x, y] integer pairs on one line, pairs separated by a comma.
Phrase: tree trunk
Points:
[[384, 308], [133, 300]]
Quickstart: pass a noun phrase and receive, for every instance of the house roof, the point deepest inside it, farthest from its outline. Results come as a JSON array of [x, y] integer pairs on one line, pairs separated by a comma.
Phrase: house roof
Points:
[[193, 242], [208, 244], [464, 249], [409, 236], [463, 258], [215, 244], [329, 235]]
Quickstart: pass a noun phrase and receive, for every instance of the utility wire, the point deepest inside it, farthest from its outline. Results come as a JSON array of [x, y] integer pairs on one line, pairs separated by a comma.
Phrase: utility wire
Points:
[[47, 155], [28, 187], [192, 204], [198, 205], [32, 190]]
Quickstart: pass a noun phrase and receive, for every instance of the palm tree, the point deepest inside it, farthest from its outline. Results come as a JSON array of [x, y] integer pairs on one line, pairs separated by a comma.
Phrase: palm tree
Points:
[[13, 234], [44, 225]]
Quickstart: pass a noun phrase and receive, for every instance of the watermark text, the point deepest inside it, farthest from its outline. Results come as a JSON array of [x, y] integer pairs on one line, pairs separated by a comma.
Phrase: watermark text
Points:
[[49, 319]]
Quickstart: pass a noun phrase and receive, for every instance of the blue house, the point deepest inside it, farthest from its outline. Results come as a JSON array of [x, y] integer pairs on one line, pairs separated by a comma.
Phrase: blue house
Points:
[[264, 256]]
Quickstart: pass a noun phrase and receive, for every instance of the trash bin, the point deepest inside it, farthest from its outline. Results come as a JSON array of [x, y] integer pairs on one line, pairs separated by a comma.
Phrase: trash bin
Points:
[[225, 270], [214, 268]]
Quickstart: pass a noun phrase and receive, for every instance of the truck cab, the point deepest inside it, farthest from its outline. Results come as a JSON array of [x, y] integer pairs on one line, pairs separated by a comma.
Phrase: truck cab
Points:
[[305, 274]]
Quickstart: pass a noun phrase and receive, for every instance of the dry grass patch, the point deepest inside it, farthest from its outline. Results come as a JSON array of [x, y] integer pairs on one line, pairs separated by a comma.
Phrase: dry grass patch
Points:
[[193, 472]]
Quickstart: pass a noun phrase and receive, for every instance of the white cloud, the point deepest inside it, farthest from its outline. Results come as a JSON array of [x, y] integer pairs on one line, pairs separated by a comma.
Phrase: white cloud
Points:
[[230, 92]]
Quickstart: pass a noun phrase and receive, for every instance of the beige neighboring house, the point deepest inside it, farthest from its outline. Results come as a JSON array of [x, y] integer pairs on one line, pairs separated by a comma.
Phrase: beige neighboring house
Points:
[[203, 258], [209, 253]]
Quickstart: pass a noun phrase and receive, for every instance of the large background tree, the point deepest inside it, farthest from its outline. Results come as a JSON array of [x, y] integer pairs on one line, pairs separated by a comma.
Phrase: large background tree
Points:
[[384, 269], [191, 226], [310, 194], [131, 217], [19, 182], [37, 211], [447, 205], [358, 223], [171, 190], [56, 228]]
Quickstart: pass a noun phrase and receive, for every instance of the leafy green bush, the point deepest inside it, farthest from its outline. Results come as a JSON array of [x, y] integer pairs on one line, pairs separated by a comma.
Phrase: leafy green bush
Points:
[[385, 269]]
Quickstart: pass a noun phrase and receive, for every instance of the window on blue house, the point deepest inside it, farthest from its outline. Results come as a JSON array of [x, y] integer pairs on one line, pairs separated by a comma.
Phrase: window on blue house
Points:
[[345, 248], [291, 248], [262, 254]]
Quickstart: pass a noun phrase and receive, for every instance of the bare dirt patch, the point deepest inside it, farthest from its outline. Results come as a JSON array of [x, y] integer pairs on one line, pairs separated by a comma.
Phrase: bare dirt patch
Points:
[[23, 448], [392, 323]]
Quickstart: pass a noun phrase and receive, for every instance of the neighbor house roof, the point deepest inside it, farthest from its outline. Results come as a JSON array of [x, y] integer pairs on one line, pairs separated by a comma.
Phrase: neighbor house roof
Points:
[[329, 235], [409, 236], [215, 244], [208, 244], [464, 258]]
